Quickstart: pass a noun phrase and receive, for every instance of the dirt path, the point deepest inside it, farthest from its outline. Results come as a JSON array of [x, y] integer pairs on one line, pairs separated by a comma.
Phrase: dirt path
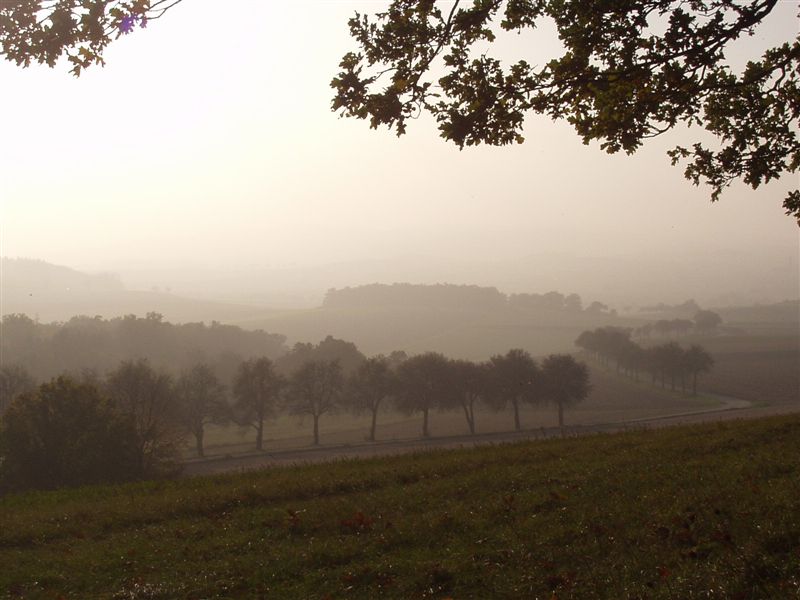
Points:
[[732, 408]]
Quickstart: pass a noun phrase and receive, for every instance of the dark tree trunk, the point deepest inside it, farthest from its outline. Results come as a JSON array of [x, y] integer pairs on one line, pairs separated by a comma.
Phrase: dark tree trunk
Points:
[[198, 436], [316, 430], [517, 424], [425, 432], [560, 414], [260, 435], [374, 424], [694, 384], [469, 418]]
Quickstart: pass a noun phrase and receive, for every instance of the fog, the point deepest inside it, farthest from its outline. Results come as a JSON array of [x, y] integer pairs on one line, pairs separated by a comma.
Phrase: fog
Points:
[[204, 161]]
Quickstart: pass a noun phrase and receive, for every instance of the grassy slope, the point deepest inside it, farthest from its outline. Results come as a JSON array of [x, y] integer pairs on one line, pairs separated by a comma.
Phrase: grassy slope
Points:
[[762, 369], [691, 512]]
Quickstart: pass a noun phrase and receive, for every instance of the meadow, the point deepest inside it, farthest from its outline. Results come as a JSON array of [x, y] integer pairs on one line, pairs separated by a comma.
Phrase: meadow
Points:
[[702, 511], [764, 369]]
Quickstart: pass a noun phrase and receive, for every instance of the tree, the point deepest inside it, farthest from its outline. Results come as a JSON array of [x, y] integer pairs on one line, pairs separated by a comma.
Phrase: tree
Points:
[[65, 434], [315, 389], [201, 401], [369, 387], [422, 384], [514, 378], [43, 31], [566, 382], [471, 383], [697, 361], [14, 381], [257, 389], [331, 348], [671, 363], [146, 397], [707, 321], [630, 70]]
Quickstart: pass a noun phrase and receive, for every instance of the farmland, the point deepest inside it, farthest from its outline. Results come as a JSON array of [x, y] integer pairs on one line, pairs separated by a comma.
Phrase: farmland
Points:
[[705, 511]]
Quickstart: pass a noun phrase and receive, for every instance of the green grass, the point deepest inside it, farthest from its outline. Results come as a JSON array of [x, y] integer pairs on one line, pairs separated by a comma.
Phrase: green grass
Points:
[[709, 511]]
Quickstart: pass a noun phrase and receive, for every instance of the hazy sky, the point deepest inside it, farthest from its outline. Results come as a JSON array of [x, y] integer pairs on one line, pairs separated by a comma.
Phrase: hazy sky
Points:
[[208, 140]]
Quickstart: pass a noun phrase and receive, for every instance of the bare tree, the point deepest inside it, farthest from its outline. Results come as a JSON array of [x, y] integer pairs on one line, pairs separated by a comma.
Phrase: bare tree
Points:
[[315, 389], [257, 388]]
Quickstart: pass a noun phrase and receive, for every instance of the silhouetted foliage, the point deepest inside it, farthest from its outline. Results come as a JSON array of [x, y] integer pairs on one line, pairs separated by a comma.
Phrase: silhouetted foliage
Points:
[[667, 362], [707, 321], [145, 396], [369, 387], [257, 389], [201, 401], [565, 382], [329, 349], [423, 384], [471, 384], [65, 434], [696, 361], [46, 350], [314, 390], [453, 297], [629, 71], [42, 31], [515, 378], [14, 381]]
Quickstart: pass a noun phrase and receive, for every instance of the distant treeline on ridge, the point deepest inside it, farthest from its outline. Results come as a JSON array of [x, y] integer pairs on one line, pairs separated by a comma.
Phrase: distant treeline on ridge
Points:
[[47, 349], [451, 296]]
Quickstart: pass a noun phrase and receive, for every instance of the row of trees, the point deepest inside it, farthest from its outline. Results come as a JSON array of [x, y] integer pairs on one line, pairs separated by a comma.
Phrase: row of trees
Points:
[[666, 362], [705, 322], [130, 424], [412, 386]]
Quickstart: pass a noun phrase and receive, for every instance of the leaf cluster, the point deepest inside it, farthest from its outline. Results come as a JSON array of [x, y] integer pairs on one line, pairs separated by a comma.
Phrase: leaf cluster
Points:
[[630, 70]]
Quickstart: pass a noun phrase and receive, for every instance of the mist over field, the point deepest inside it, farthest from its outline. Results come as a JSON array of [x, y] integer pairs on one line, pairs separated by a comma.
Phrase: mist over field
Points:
[[523, 277]]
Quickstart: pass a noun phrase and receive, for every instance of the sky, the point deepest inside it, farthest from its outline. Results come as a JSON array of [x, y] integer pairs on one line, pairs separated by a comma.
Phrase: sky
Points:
[[207, 143]]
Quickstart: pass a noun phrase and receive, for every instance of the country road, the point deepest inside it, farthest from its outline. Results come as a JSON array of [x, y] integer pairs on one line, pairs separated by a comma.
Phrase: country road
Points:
[[732, 408]]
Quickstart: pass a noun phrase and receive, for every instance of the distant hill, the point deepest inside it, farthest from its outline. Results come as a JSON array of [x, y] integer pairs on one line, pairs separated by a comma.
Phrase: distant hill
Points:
[[462, 321], [787, 312], [56, 293], [30, 276]]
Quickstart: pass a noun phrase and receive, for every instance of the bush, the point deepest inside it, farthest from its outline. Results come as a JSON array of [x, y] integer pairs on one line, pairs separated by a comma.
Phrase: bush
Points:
[[64, 434]]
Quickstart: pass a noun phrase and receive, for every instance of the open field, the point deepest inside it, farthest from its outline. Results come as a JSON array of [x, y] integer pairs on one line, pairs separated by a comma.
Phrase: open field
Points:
[[706, 511], [762, 369]]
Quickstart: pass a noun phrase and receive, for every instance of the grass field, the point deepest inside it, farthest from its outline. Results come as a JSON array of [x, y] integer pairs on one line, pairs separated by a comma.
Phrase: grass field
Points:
[[762, 369], [709, 511]]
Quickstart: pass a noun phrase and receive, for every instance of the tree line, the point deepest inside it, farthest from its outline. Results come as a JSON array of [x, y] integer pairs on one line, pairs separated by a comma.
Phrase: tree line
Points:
[[48, 349], [452, 297], [705, 322], [667, 362], [129, 424]]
